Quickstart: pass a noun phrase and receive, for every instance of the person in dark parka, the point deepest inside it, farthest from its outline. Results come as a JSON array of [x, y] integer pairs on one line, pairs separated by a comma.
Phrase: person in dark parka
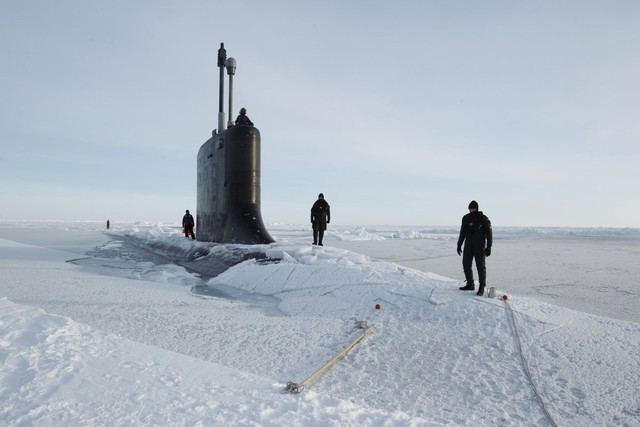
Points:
[[320, 217], [243, 119], [187, 225], [477, 236]]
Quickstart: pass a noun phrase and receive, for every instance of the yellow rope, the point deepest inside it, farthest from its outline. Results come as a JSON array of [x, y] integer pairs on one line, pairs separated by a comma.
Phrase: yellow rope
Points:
[[299, 387]]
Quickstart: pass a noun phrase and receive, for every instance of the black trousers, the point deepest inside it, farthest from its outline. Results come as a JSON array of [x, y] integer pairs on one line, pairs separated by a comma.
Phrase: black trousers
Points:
[[470, 252], [318, 232]]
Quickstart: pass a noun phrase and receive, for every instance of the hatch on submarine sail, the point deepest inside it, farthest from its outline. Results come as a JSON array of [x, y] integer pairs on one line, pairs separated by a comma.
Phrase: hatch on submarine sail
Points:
[[228, 200]]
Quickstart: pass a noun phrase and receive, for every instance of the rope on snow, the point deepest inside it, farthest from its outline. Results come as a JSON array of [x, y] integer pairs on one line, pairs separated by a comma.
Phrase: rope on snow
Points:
[[297, 388], [525, 365]]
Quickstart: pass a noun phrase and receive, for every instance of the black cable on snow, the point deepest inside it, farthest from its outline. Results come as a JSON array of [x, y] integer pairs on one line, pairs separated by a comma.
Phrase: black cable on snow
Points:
[[525, 365]]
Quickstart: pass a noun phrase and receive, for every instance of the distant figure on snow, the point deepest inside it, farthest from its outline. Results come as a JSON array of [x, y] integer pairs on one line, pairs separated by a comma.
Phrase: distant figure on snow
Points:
[[108, 224], [243, 119], [477, 236], [320, 217], [187, 225]]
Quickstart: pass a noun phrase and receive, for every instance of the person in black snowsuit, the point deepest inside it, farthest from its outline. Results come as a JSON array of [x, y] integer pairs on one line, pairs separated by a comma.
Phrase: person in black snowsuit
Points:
[[320, 217], [243, 119], [187, 225], [477, 236]]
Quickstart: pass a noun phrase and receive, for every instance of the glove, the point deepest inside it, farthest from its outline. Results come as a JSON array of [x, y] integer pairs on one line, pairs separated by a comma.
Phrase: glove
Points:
[[487, 252], [459, 250]]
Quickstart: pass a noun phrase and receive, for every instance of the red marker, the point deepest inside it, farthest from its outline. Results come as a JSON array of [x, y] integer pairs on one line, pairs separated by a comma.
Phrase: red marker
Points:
[[504, 297], [377, 306]]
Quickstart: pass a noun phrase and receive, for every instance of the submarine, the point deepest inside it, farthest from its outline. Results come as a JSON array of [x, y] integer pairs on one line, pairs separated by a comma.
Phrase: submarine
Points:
[[228, 187]]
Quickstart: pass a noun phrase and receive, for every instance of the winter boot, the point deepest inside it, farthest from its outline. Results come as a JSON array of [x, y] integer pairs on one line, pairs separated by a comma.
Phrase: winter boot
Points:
[[468, 287], [480, 291]]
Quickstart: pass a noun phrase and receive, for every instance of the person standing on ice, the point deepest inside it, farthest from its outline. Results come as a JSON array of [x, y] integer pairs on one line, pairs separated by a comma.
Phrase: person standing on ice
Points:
[[320, 217], [477, 236], [187, 225], [243, 119]]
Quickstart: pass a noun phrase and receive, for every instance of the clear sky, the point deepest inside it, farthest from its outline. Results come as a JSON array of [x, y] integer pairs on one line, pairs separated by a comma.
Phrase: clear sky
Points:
[[399, 112]]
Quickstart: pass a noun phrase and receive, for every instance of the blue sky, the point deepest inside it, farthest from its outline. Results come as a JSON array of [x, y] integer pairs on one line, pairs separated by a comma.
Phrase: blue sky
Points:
[[399, 113]]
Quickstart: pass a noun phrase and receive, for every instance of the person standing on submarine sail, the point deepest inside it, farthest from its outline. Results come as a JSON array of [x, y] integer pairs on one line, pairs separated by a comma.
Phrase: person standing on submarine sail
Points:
[[477, 236], [243, 119], [320, 217], [187, 225]]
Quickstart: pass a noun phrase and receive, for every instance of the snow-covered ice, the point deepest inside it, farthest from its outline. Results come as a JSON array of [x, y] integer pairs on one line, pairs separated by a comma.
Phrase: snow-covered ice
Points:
[[102, 329]]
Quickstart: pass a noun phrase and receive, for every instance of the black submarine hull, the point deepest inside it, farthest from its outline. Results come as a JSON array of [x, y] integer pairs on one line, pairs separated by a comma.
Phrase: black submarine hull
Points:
[[228, 202]]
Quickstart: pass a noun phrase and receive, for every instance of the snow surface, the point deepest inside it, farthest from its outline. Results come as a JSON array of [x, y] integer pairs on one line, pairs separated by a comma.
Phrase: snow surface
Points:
[[122, 337]]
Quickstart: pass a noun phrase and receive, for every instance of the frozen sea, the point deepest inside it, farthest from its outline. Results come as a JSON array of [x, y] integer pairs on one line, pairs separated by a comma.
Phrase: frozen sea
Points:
[[595, 270], [116, 328]]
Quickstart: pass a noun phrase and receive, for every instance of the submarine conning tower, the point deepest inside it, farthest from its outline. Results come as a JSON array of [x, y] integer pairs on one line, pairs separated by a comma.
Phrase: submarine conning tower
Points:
[[228, 201]]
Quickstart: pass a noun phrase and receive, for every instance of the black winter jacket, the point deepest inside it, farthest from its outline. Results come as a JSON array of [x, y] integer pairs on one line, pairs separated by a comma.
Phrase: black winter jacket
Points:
[[187, 221], [320, 212], [476, 229]]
